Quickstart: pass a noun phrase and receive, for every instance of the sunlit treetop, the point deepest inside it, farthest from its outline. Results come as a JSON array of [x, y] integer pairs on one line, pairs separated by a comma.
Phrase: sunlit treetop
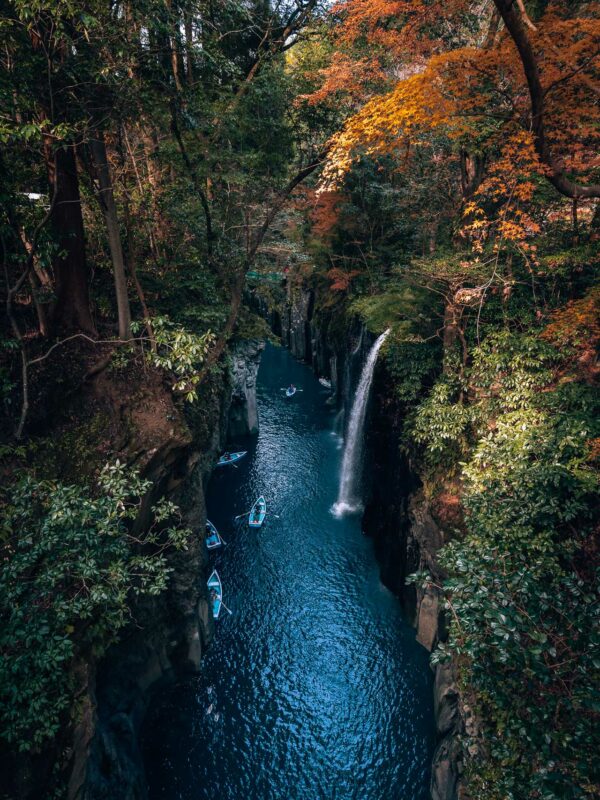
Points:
[[421, 69]]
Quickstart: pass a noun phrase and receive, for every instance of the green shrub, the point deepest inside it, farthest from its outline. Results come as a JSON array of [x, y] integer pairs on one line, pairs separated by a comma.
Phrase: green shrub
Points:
[[522, 593], [70, 568]]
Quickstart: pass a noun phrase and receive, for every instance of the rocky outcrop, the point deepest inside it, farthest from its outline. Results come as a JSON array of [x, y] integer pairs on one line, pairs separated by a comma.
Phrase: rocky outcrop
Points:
[[169, 633], [296, 321], [446, 762], [243, 413], [425, 538]]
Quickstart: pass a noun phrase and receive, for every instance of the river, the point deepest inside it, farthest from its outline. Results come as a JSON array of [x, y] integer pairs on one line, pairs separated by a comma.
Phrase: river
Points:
[[314, 688]]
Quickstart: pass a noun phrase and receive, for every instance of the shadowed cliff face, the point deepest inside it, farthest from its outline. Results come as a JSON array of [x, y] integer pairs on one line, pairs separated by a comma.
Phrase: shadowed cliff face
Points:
[[243, 413], [408, 538], [176, 448]]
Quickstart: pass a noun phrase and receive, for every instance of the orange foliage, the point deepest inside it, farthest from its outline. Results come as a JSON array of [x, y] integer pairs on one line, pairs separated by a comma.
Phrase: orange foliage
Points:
[[398, 26], [346, 75], [436, 82], [577, 324], [325, 214], [341, 280], [509, 186]]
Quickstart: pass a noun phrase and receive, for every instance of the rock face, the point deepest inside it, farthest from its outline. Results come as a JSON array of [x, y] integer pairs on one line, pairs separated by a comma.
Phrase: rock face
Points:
[[296, 323], [169, 632], [408, 538], [243, 413]]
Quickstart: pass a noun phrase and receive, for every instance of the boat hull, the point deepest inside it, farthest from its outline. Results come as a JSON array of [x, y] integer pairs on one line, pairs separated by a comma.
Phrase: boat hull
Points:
[[258, 513], [213, 539], [215, 593], [233, 457]]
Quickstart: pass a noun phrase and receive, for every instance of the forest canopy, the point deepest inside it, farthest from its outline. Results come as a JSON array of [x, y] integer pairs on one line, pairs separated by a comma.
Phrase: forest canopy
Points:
[[427, 166]]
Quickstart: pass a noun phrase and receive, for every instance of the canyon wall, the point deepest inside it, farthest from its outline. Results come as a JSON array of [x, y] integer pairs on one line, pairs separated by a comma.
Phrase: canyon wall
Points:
[[243, 413], [168, 634]]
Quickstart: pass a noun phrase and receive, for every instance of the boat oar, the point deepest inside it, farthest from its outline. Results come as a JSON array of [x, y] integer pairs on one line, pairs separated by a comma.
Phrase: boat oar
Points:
[[222, 540], [229, 611], [245, 514]]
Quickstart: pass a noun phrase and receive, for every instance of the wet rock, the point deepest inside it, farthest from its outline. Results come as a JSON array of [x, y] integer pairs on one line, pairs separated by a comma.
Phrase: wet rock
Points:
[[299, 339], [445, 697], [243, 414], [445, 770]]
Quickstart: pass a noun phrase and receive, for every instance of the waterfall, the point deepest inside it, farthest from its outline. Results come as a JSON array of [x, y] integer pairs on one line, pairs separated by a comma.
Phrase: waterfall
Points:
[[348, 501]]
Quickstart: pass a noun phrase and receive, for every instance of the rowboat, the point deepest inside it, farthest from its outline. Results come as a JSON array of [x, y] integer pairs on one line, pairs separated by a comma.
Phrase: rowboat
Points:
[[215, 593], [290, 391], [258, 513], [230, 458], [213, 540]]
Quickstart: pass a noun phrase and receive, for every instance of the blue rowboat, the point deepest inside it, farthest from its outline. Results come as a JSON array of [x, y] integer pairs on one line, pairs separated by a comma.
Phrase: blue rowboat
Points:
[[230, 458], [258, 513], [215, 593], [213, 540], [290, 391]]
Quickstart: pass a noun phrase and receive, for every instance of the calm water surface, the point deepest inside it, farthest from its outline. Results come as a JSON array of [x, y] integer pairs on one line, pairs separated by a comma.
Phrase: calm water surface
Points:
[[314, 688]]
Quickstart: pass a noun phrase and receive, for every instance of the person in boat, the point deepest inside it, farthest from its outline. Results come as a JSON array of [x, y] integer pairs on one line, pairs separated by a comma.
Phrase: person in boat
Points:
[[226, 456], [291, 387]]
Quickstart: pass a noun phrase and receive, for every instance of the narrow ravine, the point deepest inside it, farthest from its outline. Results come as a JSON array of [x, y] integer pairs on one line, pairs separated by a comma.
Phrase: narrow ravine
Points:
[[314, 688]]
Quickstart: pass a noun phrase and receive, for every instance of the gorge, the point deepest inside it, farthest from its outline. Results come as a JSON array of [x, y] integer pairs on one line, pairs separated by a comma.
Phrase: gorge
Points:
[[396, 207], [315, 681]]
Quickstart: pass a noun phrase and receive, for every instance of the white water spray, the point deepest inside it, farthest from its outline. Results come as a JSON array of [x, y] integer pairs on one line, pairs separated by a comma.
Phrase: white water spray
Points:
[[348, 502]]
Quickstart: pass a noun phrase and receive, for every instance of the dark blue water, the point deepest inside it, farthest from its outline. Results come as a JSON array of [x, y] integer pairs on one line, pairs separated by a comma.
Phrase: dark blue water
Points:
[[314, 688]]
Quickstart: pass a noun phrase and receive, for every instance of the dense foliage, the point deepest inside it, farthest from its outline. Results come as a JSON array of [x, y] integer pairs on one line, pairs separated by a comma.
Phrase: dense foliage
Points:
[[459, 206], [156, 154], [72, 564], [523, 592]]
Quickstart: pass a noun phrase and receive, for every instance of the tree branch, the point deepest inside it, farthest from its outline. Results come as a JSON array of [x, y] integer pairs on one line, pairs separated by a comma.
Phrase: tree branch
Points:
[[516, 27], [192, 173]]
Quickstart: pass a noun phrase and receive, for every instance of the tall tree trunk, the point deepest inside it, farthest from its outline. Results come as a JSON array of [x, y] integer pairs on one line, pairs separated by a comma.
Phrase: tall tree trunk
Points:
[[109, 209], [72, 309], [40, 307], [515, 25], [453, 331], [189, 48]]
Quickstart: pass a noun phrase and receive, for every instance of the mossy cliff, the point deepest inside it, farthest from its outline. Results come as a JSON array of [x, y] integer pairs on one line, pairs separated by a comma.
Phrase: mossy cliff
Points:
[[129, 414]]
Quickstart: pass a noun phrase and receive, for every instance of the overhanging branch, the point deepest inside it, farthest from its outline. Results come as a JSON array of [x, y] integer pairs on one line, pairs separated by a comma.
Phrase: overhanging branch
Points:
[[515, 25]]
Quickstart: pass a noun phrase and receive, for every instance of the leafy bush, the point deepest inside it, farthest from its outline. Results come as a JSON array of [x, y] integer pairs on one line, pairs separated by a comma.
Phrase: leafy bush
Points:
[[522, 592], [70, 568], [412, 365], [179, 352], [441, 425], [509, 369]]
